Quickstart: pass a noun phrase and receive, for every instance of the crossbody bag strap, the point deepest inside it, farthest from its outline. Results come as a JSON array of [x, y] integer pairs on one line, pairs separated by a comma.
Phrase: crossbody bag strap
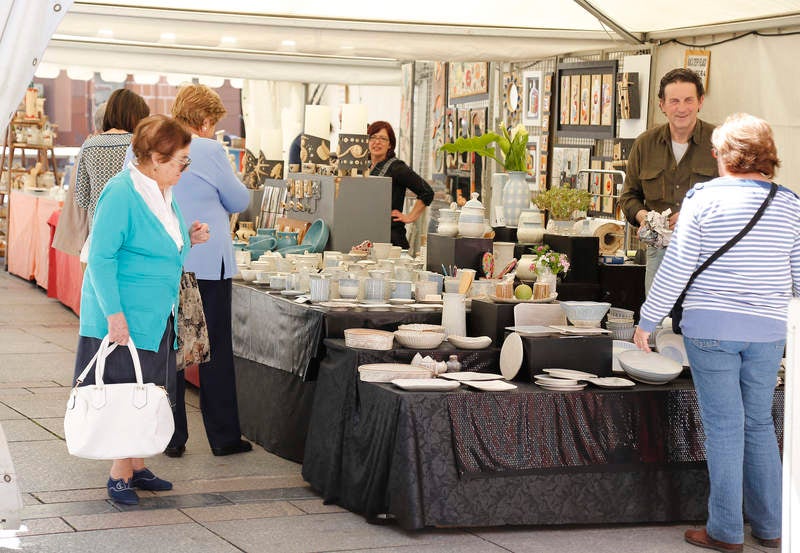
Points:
[[730, 243]]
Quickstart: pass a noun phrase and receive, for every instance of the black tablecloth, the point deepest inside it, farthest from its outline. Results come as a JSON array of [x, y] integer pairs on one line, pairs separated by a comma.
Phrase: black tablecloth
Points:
[[373, 449], [281, 333]]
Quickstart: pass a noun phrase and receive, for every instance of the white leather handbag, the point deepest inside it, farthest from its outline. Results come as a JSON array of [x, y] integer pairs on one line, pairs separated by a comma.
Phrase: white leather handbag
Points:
[[117, 421]]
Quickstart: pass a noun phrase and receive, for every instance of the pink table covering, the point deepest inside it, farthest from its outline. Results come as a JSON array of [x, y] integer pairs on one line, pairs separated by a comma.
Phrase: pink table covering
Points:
[[65, 275], [29, 236]]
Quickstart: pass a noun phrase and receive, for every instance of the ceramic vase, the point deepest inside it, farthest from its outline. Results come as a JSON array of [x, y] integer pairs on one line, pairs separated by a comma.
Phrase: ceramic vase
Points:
[[499, 180], [530, 229], [454, 315], [516, 197], [556, 226]]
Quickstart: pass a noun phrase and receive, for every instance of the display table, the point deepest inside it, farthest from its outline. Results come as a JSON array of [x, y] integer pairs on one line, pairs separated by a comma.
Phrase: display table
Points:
[[530, 456], [65, 276], [29, 236], [278, 347]]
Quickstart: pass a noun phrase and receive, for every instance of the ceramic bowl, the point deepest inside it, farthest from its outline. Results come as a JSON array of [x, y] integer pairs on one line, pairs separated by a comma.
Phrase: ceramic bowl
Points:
[[471, 230], [470, 342], [249, 274], [348, 288], [586, 314], [415, 339]]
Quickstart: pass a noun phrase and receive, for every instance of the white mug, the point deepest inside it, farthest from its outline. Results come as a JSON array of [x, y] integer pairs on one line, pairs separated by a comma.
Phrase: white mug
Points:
[[320, 288]]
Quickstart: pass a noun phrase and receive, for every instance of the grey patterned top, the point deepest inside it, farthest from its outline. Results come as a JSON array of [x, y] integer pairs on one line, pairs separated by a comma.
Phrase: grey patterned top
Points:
[[102, 156]]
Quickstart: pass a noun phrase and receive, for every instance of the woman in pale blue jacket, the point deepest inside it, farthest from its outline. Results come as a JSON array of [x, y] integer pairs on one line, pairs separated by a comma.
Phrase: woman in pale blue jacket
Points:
[[210, 191], [130, 289]]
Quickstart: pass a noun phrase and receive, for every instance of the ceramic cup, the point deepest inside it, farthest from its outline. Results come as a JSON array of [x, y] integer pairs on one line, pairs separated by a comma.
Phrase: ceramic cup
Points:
[[374, 289], [451, 284], [348, 288], [425, 288], [381, 250], [277, 282], [401, 289], [438, 279], [320, 288]]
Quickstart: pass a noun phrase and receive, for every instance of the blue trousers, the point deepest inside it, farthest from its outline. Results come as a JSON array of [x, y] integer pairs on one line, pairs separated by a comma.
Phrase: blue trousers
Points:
[[735, 383]]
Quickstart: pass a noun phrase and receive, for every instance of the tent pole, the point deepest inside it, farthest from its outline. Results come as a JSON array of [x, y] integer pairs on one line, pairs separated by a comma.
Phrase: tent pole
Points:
[[617, 28]]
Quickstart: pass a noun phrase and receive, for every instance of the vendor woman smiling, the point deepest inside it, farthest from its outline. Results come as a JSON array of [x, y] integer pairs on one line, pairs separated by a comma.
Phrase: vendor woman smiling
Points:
[[382, 143]]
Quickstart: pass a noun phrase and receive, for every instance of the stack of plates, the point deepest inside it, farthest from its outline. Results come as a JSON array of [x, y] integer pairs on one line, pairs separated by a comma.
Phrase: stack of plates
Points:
[[650, 368], [555, 383]]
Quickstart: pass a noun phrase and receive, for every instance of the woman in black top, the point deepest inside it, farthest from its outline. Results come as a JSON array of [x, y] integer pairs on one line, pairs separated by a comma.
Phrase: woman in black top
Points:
[[382, 143]]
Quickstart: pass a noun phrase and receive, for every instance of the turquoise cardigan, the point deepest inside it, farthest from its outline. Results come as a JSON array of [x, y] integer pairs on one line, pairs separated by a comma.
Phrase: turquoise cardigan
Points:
[[134, 266]]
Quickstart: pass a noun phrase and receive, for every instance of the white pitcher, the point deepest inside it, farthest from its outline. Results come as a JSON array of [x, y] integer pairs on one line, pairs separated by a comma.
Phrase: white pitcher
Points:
[[454, 314]]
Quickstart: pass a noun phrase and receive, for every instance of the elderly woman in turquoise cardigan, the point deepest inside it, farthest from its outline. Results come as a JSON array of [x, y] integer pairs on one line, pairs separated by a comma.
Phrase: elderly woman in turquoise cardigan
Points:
[[131, 287]]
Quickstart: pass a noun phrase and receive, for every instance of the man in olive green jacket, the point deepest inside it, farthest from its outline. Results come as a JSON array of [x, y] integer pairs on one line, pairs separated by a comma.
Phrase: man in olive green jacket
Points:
[[667, 161]]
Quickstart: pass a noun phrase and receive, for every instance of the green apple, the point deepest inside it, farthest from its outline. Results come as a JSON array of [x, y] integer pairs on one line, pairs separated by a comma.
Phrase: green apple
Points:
[[523, 292]]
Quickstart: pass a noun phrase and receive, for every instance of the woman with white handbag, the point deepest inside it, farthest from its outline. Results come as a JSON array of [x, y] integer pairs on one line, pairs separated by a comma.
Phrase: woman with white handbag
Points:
[[130, 293]]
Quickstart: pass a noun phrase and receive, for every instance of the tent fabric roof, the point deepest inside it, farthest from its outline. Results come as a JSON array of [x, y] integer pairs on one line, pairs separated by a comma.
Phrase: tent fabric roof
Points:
[[364, 43]]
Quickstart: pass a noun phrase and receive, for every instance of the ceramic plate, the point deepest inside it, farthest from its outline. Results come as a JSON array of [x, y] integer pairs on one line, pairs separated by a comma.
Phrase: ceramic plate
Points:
[[401, 301], [491, 385], [425, 306], [671, 345], [425, 384], [573, 388], [612, 382], [532, 330], [551, 299], [650, 366], [470, 342], [553, 380], [432, 302], [261, 282], [580, 330], [468, 376], [511, 356], [291, 293], [570, 374]]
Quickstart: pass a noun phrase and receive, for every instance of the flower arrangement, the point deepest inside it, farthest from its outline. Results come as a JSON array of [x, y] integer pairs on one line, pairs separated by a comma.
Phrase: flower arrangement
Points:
[[561, 201], [545, 258], [513, 146]]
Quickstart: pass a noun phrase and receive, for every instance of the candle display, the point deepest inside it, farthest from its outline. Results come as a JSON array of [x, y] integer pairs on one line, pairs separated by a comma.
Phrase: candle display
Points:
[[318, 121], [354, 119]]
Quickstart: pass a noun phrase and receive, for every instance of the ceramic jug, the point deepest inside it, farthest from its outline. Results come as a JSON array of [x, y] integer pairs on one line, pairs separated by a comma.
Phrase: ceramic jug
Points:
[[530, 229], [470, 221], [454, 315]]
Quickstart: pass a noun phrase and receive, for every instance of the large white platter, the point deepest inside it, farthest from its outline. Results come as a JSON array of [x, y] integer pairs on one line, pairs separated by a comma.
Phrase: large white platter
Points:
[[570, 374], [612, 382], [425, 384], [491, 385], [511, 356], [571, 388], [566, 329], [532, 330], [468, 376]]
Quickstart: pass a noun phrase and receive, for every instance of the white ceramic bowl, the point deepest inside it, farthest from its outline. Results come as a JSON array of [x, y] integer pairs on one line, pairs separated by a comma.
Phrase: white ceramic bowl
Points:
[[249, 274], [650, 368], [418, 340], [422, 327], [368, 338], [470, 342], [586, 314]]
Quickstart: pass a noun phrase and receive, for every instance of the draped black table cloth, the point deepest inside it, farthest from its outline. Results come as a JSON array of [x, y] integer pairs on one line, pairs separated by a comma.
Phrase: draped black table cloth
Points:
[[530, 456]]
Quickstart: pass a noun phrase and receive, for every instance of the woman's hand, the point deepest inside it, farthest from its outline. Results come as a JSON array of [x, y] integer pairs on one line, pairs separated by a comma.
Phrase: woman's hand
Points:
[[640, 338], [400, 216], [198, 232], [118, 329]]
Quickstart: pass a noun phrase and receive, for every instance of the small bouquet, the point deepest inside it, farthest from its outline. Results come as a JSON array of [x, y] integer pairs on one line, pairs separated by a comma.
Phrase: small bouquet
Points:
[[547, 259], [654, 230]]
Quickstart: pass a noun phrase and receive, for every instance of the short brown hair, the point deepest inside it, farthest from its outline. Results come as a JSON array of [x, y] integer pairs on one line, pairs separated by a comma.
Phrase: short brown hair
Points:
[[124, 110], [159, 134], [196, 102], [745, 144], [376, 126], [681, 75]]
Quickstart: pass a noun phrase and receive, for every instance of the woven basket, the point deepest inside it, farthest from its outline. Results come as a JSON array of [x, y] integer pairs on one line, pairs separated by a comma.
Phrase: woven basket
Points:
[[368, 338]]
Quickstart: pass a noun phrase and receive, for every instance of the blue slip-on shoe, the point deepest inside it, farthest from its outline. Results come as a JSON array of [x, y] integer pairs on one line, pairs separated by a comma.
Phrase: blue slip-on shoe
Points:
[[121, 492], [146, 480]]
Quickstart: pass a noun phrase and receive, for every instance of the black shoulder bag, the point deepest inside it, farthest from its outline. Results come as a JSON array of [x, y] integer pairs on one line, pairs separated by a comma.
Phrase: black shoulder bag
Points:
[[677, 309]]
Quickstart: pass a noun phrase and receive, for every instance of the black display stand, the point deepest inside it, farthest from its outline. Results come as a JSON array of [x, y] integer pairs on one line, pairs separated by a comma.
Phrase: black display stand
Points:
[[490, 319], [463, 253], [579, 291], [623, 286], [582, 252], [590, 354], [505, 234]]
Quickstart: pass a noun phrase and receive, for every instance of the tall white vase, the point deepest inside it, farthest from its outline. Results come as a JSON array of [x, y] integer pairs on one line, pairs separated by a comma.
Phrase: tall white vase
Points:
[[454, 314], [516, 197], [499, 180]]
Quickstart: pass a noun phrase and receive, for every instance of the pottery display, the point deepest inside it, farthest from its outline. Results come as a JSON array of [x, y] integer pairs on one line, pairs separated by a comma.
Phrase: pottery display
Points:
[[454, 314], [499, 181], [448, 221], [530, 227], [245, 230], [503, 254], [516, 197], [286, 238], [470, 221]]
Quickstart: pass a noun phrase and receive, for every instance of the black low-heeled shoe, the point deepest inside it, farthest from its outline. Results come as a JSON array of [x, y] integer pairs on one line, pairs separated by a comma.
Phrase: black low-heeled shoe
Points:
[[242, 446], [175, 451]]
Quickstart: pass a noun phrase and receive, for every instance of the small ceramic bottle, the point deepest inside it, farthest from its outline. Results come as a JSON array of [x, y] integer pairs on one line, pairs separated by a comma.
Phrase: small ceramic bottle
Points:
[[453, 364]]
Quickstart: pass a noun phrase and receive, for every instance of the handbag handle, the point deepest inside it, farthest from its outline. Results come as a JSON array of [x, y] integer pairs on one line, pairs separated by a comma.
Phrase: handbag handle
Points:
[[729, 244], [99, 360]]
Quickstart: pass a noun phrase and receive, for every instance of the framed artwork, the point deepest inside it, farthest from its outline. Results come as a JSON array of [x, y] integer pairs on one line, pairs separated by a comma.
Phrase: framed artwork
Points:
[[477, 121], [546, 122], [587, 90], [543, 142], [532, 98], [450, 134], [542, 164], [548, 83], [467, 79], [512, 98], [532, 158], [698, 61], [564, 102], [567, 161], [438, 116], [463, 131]]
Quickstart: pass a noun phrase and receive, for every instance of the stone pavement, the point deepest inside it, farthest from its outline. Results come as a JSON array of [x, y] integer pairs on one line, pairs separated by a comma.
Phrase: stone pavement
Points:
[[253, 502]]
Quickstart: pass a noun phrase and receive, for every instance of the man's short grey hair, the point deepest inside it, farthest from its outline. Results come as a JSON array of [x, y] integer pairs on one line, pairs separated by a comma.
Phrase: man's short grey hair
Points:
[[99, 113]]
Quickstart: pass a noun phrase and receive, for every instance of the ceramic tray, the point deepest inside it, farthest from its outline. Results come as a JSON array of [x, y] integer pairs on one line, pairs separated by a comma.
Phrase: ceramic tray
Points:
[[551, 299], [511, 356], [490, 385], [386, 372], [425, 384], [468, 376], [566, 329]]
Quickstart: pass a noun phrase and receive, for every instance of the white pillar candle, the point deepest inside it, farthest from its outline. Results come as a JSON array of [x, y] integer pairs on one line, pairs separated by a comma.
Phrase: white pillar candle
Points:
[[354, 119], [272, 143], [318, 121]]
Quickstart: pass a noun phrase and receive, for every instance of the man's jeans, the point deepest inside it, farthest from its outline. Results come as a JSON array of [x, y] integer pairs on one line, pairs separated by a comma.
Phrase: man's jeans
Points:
[[654, 258], [735, 382]]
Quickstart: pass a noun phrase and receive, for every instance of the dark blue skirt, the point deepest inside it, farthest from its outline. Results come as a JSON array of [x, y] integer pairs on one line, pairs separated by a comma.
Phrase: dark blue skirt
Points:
[[158, 367]]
